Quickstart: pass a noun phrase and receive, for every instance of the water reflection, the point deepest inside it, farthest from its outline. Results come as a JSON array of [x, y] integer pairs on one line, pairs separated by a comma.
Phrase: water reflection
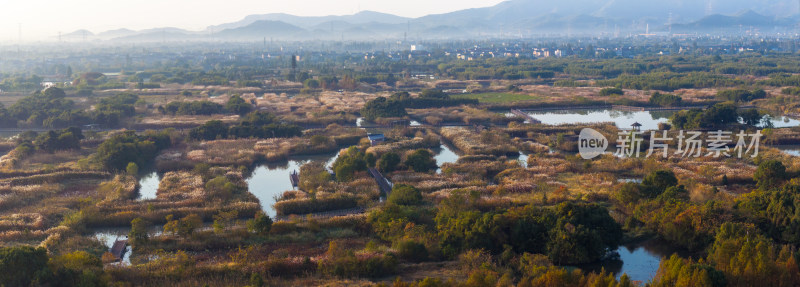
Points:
[[792, 150], [148, 186], [269, 181], [783, 122], [639, 260], [649, 120], [444, 155], [624, 119], [108, 236], [523, 159]]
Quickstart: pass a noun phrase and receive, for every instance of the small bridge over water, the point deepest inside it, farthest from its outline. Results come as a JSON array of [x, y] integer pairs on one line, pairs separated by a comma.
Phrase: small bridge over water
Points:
[[383, 183], [119, 248]]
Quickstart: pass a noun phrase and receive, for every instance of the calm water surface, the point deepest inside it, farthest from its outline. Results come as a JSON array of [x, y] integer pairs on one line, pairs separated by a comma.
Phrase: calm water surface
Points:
[[639, 260], [148, 185], [269, 181], [649, 120]]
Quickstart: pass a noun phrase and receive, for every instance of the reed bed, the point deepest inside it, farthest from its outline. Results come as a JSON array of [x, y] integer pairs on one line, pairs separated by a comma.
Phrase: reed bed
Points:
[[274, 149], [57, 177], [470, 142], [321, 203], [22, 221], [409, 144], [462, 115], [180, 185]]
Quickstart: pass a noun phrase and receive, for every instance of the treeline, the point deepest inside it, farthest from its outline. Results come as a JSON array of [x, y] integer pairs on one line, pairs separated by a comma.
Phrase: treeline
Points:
[[670, 81], [51, 141], [51, 109], [665, 100], [717, 116], [235, 105], [397, 103], [569, 233], [127, 147], [253, 125], [749, 241]]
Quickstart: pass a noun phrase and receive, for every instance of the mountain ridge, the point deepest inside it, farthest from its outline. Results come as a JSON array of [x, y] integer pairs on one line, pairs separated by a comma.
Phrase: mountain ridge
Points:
[[519, 17]]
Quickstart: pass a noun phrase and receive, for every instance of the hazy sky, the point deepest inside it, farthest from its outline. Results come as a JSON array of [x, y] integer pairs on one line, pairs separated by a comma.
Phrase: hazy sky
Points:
[[46, 18]]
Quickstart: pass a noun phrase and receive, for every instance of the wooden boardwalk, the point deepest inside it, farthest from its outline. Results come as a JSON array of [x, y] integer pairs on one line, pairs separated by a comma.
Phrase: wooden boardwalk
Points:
[[118, 249], [525, 116], [382, 182]]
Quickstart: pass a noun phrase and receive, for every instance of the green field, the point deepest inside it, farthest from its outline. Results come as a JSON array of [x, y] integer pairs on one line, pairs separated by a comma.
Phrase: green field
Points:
[[497, 98]]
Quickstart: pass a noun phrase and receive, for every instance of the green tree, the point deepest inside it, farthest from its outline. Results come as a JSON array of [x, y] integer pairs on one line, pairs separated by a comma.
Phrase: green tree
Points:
[[770, 174], [132, 169], [389, 162], [382, 108], [665, 100], [138, 234], [421, 160], [583, 233], [611, 91], [313, 175], [751, 117], [433, 94], [211, 130], [21, 265], [348, 163], [238, 106], [261, 224], [412, 251], [403, 194], [657, 182]]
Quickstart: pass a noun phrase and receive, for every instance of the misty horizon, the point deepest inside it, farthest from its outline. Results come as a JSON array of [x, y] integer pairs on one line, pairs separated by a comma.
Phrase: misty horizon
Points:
[[24, 20]]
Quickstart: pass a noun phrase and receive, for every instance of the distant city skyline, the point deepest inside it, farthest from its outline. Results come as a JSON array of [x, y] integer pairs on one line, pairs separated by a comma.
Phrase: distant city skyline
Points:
[[37, 20]]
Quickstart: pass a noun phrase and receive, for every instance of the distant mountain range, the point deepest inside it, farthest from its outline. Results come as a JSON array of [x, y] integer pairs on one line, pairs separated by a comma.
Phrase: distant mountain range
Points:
[[508, 19]]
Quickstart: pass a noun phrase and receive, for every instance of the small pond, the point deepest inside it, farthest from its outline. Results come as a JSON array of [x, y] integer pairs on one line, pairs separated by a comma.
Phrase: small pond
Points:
[[269, 181], [444, 155], [523, 159], [793, 150], [108, 236], [639, 260], [148, 185]]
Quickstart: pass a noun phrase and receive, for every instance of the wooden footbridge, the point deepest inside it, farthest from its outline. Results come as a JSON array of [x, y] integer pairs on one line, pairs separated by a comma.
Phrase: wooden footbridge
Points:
[[383, 183], [526, 116], [118, 249]]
